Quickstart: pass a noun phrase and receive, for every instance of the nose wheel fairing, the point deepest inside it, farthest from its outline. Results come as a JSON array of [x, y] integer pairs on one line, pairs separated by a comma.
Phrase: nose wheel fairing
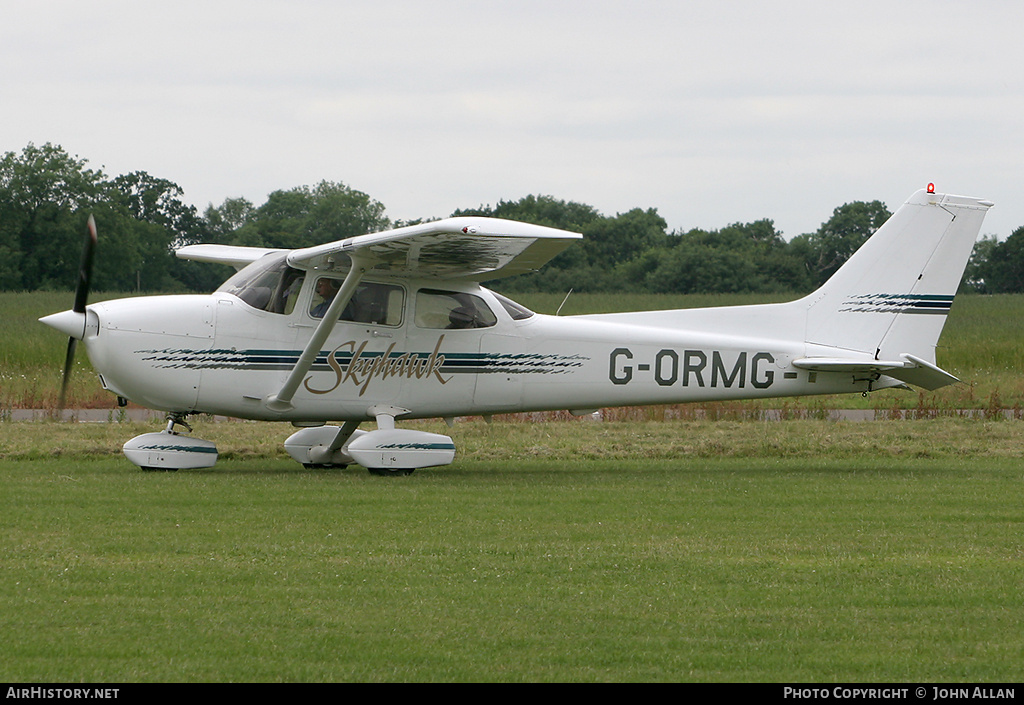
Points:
[[169, 450]]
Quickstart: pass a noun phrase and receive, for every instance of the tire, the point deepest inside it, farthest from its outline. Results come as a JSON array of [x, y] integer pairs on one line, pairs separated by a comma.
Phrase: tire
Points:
[[390, 472]]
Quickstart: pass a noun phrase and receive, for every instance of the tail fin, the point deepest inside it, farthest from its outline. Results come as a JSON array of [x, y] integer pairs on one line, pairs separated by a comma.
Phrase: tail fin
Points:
[[891, 298]]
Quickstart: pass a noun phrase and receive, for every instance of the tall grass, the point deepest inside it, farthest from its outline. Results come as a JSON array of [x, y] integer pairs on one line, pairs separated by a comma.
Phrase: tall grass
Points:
[[983, 343], [32, 354]]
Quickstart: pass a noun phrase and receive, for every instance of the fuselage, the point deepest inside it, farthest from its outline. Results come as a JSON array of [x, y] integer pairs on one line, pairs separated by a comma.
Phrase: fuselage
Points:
[[228, 352]]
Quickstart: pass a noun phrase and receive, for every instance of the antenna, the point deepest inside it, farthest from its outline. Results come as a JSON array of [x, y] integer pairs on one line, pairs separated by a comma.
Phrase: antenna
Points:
[[563, 302]]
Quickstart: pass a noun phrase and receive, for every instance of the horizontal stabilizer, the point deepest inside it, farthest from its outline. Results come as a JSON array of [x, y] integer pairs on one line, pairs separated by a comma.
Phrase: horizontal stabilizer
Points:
[[924, 374], [909, 369], [842, 364]]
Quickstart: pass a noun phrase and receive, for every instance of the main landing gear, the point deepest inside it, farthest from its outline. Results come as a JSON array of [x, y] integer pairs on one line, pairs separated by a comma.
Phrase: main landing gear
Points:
[[386, 451]]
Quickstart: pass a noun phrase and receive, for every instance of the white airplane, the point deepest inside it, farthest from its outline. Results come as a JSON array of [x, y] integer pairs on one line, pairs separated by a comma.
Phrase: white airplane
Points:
[[395, 325]]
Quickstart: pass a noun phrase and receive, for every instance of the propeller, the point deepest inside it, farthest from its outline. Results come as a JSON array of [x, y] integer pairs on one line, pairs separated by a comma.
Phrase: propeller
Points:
[[81, 296]]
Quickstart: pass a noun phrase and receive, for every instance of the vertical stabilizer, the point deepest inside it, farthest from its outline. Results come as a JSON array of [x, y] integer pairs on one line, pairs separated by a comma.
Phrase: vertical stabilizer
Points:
[[892, 296]]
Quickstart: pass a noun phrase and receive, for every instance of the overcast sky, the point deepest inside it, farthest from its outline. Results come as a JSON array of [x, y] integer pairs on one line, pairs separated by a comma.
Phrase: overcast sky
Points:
[[710, 112]]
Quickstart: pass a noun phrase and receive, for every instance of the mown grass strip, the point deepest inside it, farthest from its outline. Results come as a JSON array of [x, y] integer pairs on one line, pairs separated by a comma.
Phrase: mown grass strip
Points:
[[790, 551]]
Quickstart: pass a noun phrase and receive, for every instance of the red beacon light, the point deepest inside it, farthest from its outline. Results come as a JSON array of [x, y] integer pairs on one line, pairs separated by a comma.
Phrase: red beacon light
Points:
[[931, 188]]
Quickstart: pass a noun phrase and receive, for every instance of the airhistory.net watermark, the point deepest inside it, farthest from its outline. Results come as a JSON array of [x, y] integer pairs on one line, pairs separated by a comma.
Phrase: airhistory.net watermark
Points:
[[48, 693]]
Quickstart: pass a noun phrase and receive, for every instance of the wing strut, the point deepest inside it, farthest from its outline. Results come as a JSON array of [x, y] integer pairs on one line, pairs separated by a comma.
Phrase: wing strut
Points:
[[282, 401]]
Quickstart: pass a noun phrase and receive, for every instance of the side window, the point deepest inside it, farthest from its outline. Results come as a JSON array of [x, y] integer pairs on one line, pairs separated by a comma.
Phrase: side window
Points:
[[452, 310], [379, 304]]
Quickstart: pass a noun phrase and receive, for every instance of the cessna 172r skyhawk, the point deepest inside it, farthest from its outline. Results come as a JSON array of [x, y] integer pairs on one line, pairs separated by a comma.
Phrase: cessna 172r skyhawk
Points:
[[395, 325]]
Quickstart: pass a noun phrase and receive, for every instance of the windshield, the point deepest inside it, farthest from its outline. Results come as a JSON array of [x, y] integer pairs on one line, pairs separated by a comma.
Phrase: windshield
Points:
[[268, 284], [517, 311]]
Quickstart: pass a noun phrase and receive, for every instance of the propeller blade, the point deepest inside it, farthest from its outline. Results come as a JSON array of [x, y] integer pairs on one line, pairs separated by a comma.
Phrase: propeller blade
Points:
[[69, 358], [81, 298], [85, 268]]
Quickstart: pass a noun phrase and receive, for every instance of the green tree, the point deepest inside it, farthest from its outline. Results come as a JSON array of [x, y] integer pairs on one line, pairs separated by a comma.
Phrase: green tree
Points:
[[224, 220], [539, 210], [162, 222], [981, 255], [611, 242], [151, 199], [44, 193], [739, 258], [700, 263], [304, 216], [778, 267], [706, 261], [1004, 271], [340, 211], [46, 196]]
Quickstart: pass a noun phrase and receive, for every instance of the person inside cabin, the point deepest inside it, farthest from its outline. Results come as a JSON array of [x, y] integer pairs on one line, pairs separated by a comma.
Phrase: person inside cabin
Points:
[[326, 289]]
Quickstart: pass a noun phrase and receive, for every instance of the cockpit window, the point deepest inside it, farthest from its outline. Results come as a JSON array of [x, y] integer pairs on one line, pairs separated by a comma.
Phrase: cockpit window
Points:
[[452, 310], [268, 284], [379, 304], [517, 311]]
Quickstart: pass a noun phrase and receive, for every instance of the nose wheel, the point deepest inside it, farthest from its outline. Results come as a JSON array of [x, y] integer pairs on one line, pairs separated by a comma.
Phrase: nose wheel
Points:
[[177, 418], [168, 450], [391, 472]]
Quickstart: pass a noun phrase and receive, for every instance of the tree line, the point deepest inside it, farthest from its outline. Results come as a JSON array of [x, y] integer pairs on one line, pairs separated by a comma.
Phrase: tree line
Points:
[[46, 194]]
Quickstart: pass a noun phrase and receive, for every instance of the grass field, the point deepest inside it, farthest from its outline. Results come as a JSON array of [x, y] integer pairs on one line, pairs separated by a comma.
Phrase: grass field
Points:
[[982, 344], [796, 551]]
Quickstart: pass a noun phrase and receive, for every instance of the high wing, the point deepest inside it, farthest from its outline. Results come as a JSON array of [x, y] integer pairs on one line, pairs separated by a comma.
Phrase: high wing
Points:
[[468, 247], [234, 255]]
